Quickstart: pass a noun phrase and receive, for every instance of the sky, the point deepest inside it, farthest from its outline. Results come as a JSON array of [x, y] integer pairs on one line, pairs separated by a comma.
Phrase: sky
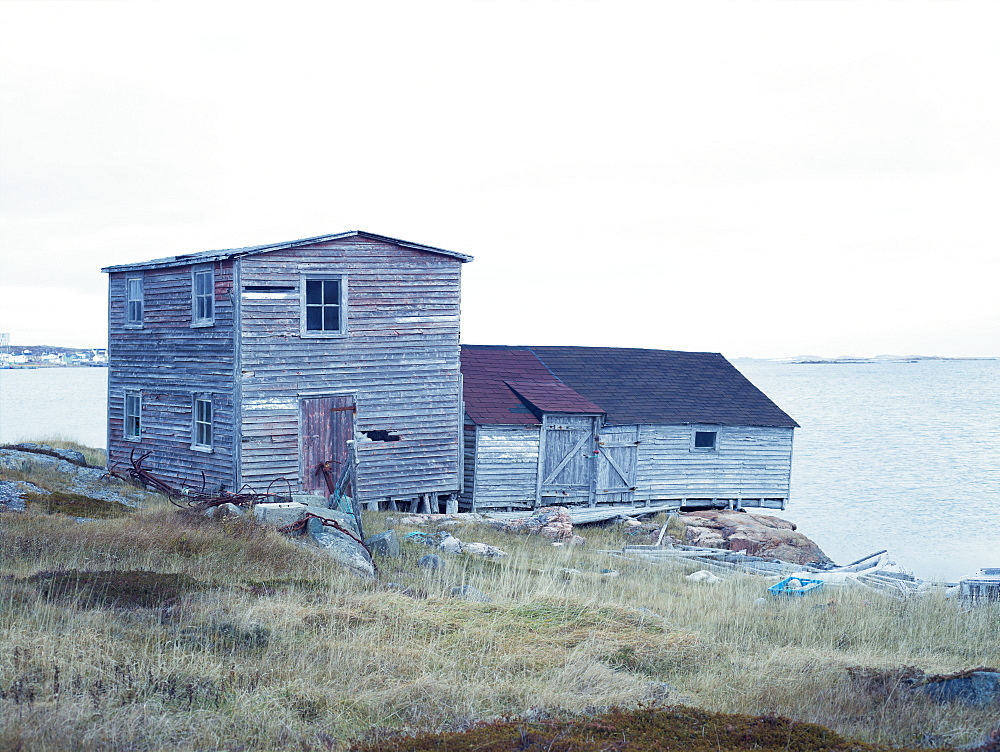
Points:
[[761, 179]]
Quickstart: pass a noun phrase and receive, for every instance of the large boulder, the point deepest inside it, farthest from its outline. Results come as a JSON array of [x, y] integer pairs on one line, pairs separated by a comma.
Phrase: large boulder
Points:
[[344, 549], [384, 544], [754, 534], [971, 688]]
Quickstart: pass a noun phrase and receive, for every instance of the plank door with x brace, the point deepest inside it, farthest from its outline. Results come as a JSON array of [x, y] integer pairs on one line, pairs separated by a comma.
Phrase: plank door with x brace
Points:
[[618, 448], [327, 424], [567, 460]]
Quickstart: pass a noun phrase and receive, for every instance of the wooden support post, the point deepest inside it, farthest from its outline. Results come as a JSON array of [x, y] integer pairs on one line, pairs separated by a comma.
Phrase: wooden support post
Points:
[[414, 505], [451, 504]]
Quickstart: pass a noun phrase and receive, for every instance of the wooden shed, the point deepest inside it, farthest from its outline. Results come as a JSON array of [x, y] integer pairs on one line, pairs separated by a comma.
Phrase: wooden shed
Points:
[[256, 366], [598, 426]]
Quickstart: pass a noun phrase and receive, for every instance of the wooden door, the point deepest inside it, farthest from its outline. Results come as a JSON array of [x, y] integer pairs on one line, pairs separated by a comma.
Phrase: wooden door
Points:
[[326, 425], [617, 463], [567, 460]]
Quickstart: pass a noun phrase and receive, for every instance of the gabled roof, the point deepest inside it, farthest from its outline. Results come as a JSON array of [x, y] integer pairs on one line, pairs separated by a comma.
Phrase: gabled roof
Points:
[[631, 386], [206, 256]]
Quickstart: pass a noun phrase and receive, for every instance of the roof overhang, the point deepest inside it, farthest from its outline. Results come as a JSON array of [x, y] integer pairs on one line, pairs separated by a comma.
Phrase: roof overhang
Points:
[[209, 256]]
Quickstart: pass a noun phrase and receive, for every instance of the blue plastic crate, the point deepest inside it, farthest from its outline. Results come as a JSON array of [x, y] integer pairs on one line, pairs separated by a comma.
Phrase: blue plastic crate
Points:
[[795, 586]]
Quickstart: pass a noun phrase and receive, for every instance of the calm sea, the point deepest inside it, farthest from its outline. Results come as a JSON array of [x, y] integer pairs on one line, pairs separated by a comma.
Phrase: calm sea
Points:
[[903, 456]]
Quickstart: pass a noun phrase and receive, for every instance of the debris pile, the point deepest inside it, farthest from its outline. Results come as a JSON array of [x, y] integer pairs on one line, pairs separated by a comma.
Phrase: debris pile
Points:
[[548, 522]]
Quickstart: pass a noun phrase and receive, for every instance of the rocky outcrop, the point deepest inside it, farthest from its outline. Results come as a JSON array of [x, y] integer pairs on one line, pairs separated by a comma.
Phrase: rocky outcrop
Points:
[[754, 534], [63, 468]]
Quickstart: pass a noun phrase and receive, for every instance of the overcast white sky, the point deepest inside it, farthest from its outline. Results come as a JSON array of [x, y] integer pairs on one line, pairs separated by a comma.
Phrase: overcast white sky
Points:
[[755, 178]]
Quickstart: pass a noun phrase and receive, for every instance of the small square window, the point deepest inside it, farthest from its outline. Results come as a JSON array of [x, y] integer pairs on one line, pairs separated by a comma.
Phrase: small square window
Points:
[[133, 416], [324, 306], [202, 424], [133, 301], [706, 440], [203, 297]]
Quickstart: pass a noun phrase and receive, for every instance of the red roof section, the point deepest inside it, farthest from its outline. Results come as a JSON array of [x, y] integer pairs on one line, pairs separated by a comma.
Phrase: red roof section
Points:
[[553, 396], [491, 376]]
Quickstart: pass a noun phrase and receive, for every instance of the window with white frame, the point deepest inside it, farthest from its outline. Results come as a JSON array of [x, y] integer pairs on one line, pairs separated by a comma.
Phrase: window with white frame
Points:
[[202, 296], [201, 435], [133, 301], [704, 440], [324, 306], [133, 416]]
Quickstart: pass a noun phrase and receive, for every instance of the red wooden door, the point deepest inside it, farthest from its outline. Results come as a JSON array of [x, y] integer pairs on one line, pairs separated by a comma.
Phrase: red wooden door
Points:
[[327, 424]]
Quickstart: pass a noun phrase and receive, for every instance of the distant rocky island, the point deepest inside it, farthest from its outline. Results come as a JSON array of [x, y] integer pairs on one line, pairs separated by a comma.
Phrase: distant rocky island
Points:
[[849, 359]]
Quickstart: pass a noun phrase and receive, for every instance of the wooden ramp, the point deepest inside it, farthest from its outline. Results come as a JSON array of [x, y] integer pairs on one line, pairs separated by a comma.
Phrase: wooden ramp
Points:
[[584, 515]]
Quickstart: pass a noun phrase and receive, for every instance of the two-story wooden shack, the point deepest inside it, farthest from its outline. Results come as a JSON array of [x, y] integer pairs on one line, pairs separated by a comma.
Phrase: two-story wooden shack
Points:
[[599, 426], [249, 365]]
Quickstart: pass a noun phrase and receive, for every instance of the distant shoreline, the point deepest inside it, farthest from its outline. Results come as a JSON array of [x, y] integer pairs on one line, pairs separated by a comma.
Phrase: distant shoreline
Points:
[[847, 360], [36, 366]]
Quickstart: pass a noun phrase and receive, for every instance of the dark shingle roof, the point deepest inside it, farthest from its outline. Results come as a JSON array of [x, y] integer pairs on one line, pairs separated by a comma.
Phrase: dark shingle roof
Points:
[[205, 256], [630, 385]]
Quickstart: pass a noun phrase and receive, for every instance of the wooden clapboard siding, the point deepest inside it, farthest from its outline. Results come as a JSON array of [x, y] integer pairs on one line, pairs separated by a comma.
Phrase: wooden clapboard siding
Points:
[[399, 361], [168, 361], [469, 433], [751, 466], [751, 463], [506, 466]]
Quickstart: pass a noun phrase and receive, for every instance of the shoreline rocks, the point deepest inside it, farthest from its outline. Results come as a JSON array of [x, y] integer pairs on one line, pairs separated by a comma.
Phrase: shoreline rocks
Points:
[[754, 534]]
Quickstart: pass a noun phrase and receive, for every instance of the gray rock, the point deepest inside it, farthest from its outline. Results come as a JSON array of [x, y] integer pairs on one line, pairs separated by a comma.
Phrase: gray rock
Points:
[[224, 510], [345, 550], [12, 494], [975, 688], [341, 518], [70, 455], [384, 544], [469, 593], [431, 561]]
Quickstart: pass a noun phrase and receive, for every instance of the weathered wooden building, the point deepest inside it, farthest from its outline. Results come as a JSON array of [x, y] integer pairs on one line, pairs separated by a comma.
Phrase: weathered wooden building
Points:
[[596, 426], [251, 365]]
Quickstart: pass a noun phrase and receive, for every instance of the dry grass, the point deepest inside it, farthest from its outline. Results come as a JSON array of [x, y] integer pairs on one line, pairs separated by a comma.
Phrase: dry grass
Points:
[[259, 643]]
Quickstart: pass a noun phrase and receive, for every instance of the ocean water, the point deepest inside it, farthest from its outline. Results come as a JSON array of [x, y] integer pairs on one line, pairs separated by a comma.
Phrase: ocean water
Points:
[[51, 403], [903, 456], [890, 455]]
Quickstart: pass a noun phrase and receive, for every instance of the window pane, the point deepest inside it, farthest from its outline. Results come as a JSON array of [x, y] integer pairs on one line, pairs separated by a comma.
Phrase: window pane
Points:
[[314, 291], [331, 318], [202, 282], [704, 439], [331, 292], [314, 318]]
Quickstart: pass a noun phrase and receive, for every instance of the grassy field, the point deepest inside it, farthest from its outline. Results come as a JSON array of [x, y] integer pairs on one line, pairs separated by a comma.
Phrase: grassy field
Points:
[[158, 630]]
